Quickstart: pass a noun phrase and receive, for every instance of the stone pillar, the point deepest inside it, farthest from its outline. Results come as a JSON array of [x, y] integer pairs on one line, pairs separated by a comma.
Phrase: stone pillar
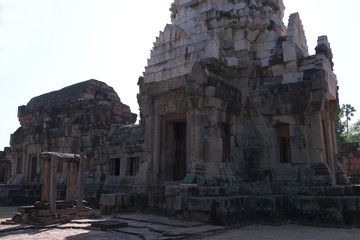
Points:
[[53, 186], [80, 189], [71, 185], [329, 146], [123, 166], [316, 140], [144, 176], [27, 168], [163, 146], [298, 144], [333, 138], [45, 192], [194, 132], [23, 164], [156, 150]]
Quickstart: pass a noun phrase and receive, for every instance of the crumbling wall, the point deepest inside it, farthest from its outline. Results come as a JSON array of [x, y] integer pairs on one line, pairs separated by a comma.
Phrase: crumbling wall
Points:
[[260, 110], [350, 156], [5, 165], [87, 117], [258, 115]]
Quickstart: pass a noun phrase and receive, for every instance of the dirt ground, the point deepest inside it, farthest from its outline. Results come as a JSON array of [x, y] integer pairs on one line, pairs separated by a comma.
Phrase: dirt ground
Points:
[[253, 232]]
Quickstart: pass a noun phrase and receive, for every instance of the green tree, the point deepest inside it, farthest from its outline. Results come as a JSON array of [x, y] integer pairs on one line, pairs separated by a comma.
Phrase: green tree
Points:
[[354, 132], [340, 127], [348, 113]]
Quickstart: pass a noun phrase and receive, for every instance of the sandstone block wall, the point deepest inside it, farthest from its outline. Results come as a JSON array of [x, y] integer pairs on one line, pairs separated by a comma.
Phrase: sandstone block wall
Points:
[[5, 165], [259, 110], [87, 117]]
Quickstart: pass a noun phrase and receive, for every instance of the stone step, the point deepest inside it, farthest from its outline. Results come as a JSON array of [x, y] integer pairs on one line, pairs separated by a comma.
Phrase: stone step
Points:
[[320, 169]]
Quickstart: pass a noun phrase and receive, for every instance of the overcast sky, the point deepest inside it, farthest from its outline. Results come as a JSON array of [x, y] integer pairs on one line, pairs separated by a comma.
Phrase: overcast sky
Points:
[[46, 45]]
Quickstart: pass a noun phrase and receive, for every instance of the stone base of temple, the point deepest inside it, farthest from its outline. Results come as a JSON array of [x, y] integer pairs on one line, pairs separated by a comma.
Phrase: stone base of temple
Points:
[[329, 206], [40, 214]]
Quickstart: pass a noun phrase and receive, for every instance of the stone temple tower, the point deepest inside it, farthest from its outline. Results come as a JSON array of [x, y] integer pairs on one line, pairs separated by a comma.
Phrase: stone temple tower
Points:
[[231, 97], [239, 120]]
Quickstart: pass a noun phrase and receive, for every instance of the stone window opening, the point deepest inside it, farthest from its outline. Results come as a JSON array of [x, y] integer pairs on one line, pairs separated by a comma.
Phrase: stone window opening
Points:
[[19, 164], [33, 167], [115, 167], [132, 166], [2, 174], [90, 163], [283, 135]]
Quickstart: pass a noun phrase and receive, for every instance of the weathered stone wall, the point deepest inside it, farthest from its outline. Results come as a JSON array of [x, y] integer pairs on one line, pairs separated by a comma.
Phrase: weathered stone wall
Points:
[[87, 117], [232, 102], [5, 165], [350, 157], [259, 111], [237, 123], [335, 206]]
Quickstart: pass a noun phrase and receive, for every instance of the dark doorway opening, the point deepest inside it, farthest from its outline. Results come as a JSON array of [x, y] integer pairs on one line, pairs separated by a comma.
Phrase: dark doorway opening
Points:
[[2, 174], [283, 133], [115, 167], [180, 151], [19, 164], [33, 168], [132, 166]]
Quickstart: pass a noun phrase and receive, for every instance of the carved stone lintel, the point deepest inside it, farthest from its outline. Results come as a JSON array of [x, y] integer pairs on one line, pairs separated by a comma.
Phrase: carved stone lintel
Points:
[[170, 103]]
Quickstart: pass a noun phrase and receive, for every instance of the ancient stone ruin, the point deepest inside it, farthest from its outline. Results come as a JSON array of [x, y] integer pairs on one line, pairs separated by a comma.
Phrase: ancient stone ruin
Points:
[[350, 159], [87, 117], [237, 123], [239, 120], [5, 165], [229, 88], [49, 210]]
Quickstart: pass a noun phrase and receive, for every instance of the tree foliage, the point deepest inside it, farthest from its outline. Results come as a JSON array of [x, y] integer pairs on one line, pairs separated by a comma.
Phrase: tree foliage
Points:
[[348, 113], [352, 133], [340, 126]]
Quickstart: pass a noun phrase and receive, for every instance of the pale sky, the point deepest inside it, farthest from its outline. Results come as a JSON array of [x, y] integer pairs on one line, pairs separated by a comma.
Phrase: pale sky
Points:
[[46, 45]]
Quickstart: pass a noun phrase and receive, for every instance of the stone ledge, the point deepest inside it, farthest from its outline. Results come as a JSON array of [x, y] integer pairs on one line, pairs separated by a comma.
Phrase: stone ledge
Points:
[[228, 210]]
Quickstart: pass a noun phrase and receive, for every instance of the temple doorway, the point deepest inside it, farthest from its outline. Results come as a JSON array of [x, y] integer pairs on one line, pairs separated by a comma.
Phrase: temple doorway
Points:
[[173, 163], [33, 168], [180, 151]]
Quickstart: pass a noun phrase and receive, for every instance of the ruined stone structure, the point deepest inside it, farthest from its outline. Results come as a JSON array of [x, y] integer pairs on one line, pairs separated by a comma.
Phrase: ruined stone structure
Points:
[[239, 120], [237, 124], [350, 158], [49, 210], [88, 118], [5, 165], [230, 90]]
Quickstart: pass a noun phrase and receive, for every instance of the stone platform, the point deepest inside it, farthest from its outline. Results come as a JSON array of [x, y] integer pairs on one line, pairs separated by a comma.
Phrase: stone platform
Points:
[[40, 214], [328, 206]]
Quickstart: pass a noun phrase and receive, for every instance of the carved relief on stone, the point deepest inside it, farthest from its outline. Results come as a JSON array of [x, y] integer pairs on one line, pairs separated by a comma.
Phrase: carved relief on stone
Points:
[[318, 80], [170, 103]]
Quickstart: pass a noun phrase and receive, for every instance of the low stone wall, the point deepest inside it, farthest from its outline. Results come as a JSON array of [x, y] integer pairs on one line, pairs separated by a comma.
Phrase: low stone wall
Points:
[[20, 195], [338, 205], [15, 195]]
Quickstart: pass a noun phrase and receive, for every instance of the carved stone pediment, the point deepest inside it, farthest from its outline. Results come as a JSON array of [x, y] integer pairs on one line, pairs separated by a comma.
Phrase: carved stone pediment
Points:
[[171, 102]]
